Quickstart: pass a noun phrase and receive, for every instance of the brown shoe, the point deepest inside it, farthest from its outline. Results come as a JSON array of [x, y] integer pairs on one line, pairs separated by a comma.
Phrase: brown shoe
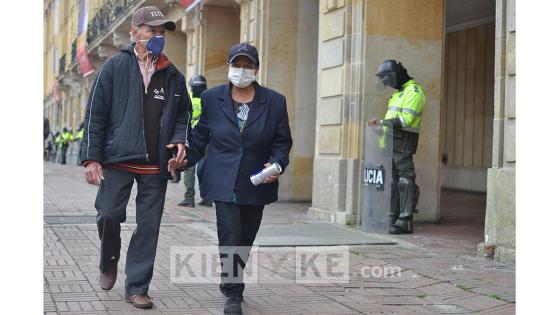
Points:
[[139, 300], [107, 279]]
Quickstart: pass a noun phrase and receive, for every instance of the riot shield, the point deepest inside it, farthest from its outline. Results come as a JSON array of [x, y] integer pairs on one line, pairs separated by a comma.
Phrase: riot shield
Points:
[[377, 178]]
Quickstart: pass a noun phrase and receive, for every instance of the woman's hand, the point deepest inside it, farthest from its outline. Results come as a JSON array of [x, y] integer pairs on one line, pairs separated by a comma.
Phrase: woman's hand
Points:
[[172, 166], [272, 178]]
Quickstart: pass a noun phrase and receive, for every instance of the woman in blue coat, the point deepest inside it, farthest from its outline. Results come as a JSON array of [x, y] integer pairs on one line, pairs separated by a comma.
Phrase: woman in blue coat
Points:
[[246, 128]]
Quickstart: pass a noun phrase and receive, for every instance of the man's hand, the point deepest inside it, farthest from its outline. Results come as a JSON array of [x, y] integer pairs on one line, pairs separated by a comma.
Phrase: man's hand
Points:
[[373, 122], [270, 179], [181, 152], [178, 161], [94, 173]]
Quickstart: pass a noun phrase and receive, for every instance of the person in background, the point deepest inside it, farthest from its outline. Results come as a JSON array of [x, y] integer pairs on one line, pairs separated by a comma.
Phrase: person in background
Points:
[[404, 113], [66, 139], [49, 150], [79, 137], [46, 133], [198, 85], [57, 146]]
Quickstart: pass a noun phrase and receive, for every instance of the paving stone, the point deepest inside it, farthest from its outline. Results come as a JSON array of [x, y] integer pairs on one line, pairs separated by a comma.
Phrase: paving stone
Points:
[[434, 278]]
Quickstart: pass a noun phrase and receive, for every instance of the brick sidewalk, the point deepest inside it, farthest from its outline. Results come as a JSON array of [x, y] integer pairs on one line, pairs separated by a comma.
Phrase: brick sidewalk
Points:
[[433, 280]]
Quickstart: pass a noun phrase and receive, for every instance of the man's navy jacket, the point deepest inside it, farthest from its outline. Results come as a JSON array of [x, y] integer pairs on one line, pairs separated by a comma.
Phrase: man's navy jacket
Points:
[[114, 120], [232, 156]]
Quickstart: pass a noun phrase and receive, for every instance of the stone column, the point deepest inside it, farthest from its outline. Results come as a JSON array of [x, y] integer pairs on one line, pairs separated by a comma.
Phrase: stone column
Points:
[[193, 27], [176, 42], [221, 31], [339, 112], [285, 33], [500, 204], [72, 83]]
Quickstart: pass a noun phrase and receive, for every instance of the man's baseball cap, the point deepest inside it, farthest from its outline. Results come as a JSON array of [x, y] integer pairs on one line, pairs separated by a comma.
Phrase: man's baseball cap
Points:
[[151, 16], [244, 49]]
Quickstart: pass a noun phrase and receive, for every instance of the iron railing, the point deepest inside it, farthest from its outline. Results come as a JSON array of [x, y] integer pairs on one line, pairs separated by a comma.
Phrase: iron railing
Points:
[[105, 17]]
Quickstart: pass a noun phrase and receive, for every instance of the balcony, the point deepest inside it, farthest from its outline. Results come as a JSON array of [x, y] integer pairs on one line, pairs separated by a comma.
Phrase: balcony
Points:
[[105, 17]]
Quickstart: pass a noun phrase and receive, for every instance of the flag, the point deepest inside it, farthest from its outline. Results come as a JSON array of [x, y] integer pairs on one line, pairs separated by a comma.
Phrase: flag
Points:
[[83, 60], [81, 44], [186, 3]]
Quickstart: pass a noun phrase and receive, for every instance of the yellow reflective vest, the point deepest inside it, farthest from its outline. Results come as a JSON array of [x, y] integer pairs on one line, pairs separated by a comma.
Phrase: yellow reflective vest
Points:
[[67, 137], [196, 110], [80, 134], [407, 104]]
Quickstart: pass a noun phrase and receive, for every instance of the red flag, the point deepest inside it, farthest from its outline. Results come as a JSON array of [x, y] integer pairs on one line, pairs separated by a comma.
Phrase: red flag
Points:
[[83, 60], [186, 3]]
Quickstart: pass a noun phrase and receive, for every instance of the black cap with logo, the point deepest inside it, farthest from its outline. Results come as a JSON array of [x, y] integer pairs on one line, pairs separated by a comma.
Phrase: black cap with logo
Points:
[[244, 49]]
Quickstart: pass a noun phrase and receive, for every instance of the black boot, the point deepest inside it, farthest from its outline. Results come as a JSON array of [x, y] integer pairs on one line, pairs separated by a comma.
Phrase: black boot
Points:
[[186, 203], [401, 227], [233, 305]]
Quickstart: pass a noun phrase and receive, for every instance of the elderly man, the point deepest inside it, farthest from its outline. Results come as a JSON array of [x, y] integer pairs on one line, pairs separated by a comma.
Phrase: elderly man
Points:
[[138, 109]]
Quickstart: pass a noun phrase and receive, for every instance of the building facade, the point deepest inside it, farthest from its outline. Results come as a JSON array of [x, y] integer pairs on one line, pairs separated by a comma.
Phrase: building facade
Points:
[[323, 55]]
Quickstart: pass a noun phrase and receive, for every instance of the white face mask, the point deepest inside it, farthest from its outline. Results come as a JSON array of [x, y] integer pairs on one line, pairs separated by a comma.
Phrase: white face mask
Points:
[[240, 77]]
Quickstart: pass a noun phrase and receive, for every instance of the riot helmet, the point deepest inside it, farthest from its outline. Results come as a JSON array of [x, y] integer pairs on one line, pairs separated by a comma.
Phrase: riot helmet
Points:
[[198, 84], [392, 73]]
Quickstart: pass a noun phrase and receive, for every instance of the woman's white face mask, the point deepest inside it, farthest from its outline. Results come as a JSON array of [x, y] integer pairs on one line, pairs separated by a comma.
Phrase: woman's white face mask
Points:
[[240, 77]]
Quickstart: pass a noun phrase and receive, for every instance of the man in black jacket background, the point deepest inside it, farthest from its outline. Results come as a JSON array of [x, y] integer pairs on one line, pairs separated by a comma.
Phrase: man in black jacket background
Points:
[[138, 109]]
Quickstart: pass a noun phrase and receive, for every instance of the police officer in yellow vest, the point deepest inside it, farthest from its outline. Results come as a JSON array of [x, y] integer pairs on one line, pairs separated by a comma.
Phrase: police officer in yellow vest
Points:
[[57, 146], [404, 112], [198, 85], [79, 137], [66, 139]]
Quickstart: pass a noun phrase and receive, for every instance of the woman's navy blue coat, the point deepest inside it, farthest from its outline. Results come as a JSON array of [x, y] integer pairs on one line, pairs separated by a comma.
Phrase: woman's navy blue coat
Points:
[[233, 157]]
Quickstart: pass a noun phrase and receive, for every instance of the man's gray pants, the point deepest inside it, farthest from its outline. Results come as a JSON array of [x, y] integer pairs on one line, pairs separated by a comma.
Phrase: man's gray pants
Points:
[[111, 201]]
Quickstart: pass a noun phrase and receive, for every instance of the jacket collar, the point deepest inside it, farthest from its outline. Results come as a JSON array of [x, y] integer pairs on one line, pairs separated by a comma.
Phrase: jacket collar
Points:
[[162, 62], [258, 108]]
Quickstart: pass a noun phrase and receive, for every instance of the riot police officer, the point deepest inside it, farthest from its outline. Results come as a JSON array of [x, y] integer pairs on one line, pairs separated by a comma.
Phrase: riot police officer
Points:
[[404, 113], [66, 139], [79, 137], [198, 85]]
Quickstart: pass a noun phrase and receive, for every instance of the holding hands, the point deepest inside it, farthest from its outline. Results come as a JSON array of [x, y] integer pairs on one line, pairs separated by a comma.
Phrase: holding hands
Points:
[[178, 160]]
